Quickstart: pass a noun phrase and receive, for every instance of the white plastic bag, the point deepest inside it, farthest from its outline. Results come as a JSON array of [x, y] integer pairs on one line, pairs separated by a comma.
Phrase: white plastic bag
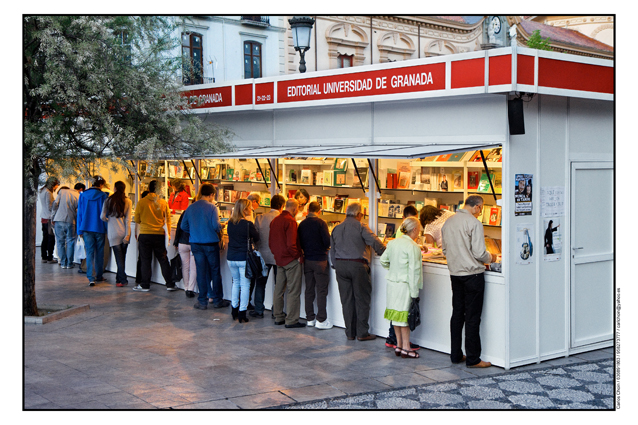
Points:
[[80, 252]]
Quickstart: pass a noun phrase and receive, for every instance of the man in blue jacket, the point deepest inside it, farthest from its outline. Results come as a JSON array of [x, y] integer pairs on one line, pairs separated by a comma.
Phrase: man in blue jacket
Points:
[[201, 221], [91, 227]]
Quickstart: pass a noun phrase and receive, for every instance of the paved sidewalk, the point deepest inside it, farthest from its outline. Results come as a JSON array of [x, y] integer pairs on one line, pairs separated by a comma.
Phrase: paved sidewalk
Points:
[[154, 351]]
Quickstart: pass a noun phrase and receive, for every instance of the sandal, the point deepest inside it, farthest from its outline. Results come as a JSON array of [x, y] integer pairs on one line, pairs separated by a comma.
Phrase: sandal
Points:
[[409, 354], [397, 352]]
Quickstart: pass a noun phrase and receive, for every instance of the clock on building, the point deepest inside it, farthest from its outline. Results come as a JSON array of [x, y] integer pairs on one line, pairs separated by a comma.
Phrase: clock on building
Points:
[[495, 23]]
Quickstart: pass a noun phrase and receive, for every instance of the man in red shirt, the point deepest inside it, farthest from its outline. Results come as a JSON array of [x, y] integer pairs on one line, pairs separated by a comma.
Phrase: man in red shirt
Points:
[[284, 244]]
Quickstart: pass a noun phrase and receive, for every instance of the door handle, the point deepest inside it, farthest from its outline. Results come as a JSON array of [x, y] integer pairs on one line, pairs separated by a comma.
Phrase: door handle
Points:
[[574, 249]]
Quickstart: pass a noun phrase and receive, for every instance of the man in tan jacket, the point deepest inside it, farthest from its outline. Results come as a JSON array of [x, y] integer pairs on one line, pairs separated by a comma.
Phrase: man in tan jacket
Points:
[[464, 248]]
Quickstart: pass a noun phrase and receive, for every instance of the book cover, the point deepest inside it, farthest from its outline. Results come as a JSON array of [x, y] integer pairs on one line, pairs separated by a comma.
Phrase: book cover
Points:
[[425, 178], [365, 206], [204, 173], [229, 173], [252, 176], [233, 195], [444, 207], [341, 164], [291, 193], [495, 155], [456, 157], [430, 158], [338, 205], [328, 178], [292, 176], [485, 217], [419, 205], [319, 179], [384, 206], [306, 177], [442, 158], [444, 184], [237, 176], [339, 178], [390, 178], [403, 166], [389, 230], [484, 182], [404, 180], [495, 216], [457, 177], [381, 228], [472, 180], [477, 156]]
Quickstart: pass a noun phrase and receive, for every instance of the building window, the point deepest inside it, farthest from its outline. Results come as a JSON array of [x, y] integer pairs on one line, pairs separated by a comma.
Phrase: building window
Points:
[[252, 59], [192, 58], [345, 61]]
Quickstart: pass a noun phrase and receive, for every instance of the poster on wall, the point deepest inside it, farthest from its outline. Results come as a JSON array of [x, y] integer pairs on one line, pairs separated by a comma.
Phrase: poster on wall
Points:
[[553, 241], [524, 249], [523, 194], [553, 201]]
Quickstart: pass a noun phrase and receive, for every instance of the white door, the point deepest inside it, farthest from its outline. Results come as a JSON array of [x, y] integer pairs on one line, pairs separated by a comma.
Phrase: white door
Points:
[[592, 252]]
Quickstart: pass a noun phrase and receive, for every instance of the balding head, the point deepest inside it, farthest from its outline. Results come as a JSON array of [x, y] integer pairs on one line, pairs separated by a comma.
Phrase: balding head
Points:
[[291, 206]]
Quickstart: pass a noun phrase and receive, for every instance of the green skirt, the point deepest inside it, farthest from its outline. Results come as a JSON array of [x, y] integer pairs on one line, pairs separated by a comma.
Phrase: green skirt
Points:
[[397, 302]]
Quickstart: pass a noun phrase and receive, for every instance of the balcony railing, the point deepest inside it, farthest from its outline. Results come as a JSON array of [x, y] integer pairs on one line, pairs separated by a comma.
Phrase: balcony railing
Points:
[[259, 21]]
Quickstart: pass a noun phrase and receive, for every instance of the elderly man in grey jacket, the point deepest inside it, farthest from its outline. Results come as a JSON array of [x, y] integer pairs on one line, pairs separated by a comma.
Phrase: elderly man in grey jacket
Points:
[[262, 222], [464, 248], [350, 245], [64, 212]]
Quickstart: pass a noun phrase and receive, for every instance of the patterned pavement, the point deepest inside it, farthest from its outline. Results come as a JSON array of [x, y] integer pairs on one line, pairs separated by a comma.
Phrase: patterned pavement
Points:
[[587, 385]]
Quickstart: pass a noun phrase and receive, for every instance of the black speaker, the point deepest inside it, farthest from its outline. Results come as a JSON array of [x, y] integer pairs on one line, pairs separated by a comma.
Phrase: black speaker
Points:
[[515, 115]]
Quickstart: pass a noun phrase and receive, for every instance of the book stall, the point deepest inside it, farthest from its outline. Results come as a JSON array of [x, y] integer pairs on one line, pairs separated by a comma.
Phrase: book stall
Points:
[[380, 136]]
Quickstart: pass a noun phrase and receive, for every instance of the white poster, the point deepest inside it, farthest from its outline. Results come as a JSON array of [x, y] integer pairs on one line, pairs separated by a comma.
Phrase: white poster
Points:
[[524, 249], [553, 201], [552, 240]]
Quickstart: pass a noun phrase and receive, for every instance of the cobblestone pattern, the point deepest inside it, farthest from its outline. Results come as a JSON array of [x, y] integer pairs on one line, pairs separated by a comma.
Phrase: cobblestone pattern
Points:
[[579, 386]]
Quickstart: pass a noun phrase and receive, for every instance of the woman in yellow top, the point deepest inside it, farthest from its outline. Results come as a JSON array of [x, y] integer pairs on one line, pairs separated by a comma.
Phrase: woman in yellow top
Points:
[[402, 258]]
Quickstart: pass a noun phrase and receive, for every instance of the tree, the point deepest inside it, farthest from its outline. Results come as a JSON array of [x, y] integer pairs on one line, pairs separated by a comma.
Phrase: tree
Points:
[[536, 42], [101, 88]]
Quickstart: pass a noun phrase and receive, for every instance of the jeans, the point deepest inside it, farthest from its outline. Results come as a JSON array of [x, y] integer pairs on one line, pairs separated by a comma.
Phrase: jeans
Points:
[[207, 264], [65, 235], [94, 246], [241, 285], [119, 251], [467, 307], [154, 244], [260, 289], [48, 243]]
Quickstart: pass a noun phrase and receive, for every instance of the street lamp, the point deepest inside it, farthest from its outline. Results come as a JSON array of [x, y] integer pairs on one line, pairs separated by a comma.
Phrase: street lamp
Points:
[[301, 28]]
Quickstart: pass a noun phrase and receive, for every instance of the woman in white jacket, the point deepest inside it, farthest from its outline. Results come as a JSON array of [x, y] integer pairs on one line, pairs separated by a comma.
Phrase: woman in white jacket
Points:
[[117, 212]]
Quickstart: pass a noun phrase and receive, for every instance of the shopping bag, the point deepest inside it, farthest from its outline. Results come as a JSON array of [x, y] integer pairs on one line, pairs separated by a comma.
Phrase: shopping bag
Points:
[[176, 268], [80, 251], [414, 314]]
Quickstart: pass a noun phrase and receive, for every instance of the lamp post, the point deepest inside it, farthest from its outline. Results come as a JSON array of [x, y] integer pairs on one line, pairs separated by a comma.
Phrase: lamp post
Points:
[[301, 28]]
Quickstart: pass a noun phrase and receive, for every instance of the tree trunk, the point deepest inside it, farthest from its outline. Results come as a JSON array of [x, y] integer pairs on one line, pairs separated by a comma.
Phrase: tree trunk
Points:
[[29, 303]]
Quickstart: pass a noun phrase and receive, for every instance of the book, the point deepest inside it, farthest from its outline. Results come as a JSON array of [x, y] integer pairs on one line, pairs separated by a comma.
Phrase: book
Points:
[[442, 158], [204, 173], [457, 178], [328, 178], [291, 193], [495, 216], [383, 207], [419, 205], [319, 179], [472, 180], [252, 176], [404, 180], [381, 228], [338, 205], [389, 230], [484, 182], [425, 178], [495, 155], [306, 177], [292, 176], [456, 157], [477, 156], [339, 178], [229, 173], [444, 182], [431, 201], [237, 176], [485, 217], [341, 164]]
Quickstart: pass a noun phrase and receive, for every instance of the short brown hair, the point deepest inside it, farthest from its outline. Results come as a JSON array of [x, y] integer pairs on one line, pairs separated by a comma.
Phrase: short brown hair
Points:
[[314, 207]]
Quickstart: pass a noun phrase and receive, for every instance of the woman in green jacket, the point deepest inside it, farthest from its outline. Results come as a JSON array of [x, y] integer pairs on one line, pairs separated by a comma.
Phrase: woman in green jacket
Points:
[[402, 258]]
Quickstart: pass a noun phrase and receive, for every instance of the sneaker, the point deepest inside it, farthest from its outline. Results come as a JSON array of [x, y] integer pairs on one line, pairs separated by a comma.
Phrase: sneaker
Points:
[[91, 283], [53, 261], [391, 344], [189, 294], [120, 285], [324, 325], [311, 323], [199, 306], [295, 325], [140, 289], [171, 288], [101, 279]]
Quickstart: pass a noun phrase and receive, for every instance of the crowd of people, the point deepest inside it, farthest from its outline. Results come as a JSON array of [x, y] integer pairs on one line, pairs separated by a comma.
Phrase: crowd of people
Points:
[[291, 240]]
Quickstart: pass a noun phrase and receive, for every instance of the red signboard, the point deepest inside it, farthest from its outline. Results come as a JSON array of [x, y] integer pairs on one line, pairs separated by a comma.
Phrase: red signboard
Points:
[[370, 83], [244, 94], [500, 70], [575, 76], [468, 73], [210, 98], [264, 93]]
